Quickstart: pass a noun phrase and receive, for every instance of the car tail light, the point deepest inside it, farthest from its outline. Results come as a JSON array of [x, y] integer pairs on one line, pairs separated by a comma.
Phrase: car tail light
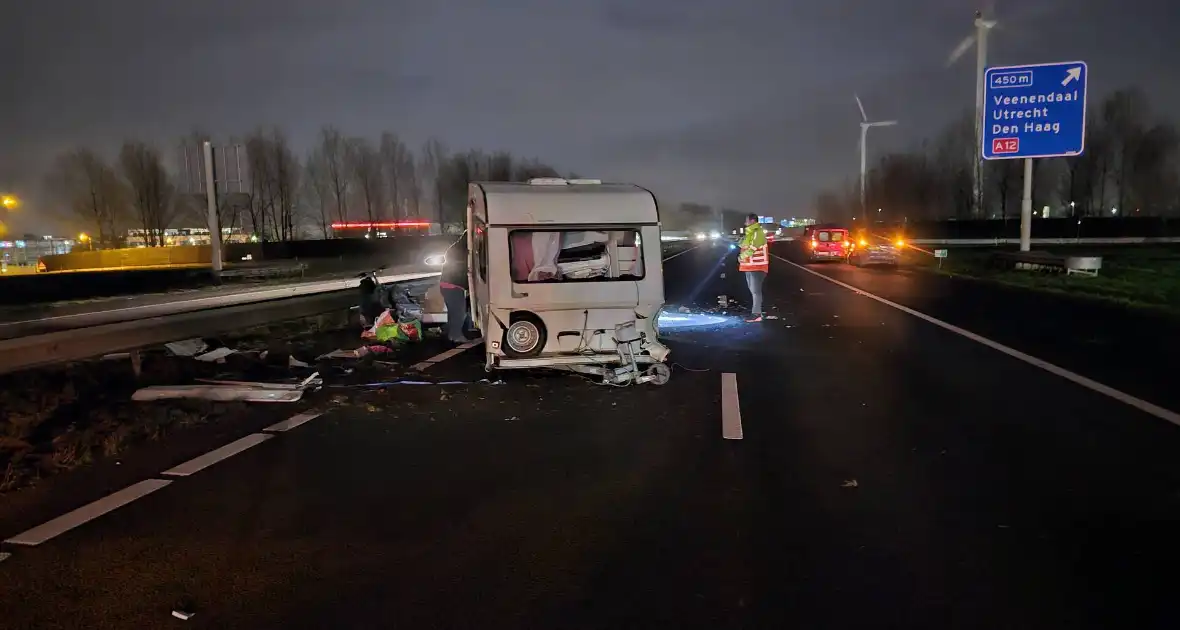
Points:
[[814, 244], [863, 242]]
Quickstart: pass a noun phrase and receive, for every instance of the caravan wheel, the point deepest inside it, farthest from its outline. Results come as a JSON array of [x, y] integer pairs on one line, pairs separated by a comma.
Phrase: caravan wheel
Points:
[[525, 336]]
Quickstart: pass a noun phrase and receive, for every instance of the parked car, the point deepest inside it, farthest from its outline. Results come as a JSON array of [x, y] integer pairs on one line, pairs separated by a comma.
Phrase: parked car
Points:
[[827, 243], [870, 250]]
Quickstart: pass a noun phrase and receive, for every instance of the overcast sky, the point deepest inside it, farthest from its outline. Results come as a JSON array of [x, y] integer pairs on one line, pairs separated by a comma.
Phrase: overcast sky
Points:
[[743, 103]]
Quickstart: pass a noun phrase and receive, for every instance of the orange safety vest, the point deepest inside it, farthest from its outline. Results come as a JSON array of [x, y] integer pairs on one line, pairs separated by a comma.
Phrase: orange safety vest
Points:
[[758, 260]]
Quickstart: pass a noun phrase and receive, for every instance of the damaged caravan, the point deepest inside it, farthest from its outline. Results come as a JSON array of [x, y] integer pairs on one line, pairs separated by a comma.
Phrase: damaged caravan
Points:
[[567, 274]]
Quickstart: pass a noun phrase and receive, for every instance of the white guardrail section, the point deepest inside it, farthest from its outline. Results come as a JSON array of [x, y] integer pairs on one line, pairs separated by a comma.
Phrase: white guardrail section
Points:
[[200, 303]]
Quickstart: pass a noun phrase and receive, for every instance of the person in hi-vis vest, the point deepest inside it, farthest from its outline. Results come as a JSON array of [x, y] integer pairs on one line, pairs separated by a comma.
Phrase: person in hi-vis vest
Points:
[[754, 262]]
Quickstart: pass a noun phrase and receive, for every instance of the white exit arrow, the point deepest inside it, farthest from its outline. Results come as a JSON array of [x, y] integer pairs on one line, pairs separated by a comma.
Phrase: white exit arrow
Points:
[[1073, 74]]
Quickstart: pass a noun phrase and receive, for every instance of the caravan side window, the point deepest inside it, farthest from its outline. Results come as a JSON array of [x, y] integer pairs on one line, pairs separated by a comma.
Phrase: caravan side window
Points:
[[480, 250], [575, 255]]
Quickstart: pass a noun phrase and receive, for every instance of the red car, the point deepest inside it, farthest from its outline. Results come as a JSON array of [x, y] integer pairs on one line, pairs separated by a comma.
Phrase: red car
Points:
[[824, 243]]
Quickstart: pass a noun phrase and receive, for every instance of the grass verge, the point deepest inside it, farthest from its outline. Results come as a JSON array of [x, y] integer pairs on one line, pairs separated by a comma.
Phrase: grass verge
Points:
[[1137, 277]]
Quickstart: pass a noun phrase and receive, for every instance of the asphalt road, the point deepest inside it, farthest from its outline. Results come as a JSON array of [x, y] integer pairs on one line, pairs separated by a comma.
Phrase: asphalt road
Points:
[[989, 493]]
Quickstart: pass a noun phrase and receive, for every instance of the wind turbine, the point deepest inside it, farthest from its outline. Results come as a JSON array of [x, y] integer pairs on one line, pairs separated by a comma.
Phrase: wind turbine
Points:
[[865, 125], [979, 39]]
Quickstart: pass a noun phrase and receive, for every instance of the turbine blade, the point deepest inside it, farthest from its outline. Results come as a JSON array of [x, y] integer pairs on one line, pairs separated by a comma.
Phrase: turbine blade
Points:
[[961, 49], [863, 117]]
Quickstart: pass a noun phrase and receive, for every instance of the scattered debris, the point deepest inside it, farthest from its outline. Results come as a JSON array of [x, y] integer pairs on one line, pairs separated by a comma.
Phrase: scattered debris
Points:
[[217, 355], [511, 419], [722, 300], [187, 347], [772, 317], [4, 556], [684, 309], [355, 353], [1003, 526], [182, 615], [723, 276], [413, 382], [849, 483], [227, 391]]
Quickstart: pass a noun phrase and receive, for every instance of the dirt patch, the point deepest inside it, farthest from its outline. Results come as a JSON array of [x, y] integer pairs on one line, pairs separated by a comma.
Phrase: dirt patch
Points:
[[64, 417]]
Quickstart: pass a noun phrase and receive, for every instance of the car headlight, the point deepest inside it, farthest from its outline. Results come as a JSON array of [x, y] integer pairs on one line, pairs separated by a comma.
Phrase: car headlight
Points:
[[714, 235], [436, 260], [701, 236]]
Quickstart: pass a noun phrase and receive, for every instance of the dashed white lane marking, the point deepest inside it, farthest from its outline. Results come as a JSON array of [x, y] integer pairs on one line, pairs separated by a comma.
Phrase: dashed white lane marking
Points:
[[731, 411], [680, 253], [198, 464], [86, 513], [293, 421], [443, 356], [1123, 397]]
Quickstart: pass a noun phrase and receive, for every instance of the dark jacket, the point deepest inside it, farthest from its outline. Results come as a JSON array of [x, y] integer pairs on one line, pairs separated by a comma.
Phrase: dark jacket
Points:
[[454, 271]]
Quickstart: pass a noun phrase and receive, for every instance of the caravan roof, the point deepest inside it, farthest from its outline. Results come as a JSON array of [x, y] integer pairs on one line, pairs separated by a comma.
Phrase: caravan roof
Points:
[[567, 202]]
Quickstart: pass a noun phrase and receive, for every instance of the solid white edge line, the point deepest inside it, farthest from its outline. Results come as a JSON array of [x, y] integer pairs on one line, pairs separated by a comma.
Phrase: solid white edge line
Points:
[[1123, 397], [731, 412], [198, 464], [86, 513], [443, 356], [293, 421]]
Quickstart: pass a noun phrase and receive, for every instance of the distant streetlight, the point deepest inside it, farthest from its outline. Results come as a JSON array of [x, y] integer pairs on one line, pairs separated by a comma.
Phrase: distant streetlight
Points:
[[85, 238], [864, 132], [10, 202]]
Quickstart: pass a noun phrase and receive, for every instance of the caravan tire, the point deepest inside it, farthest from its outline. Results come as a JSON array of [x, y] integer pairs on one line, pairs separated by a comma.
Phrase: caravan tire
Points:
[[524, 337]]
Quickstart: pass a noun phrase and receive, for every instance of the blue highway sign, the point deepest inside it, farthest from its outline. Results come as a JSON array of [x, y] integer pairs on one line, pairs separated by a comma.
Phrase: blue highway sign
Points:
[[1036, 111]]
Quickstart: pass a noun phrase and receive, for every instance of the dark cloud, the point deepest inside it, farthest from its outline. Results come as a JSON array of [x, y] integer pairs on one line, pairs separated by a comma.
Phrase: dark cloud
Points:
[[744, 102]]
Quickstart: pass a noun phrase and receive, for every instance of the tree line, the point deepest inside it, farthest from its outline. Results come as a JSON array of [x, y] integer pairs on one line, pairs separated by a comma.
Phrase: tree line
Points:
[[1130, 167], [269, 191]]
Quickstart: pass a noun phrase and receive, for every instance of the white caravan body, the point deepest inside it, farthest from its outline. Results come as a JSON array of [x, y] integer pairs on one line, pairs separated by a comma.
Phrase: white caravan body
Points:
[[565, 273]]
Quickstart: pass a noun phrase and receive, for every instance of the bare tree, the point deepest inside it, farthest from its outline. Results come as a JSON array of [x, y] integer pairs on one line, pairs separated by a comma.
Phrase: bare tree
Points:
[[274, 179], [151, 190], [1006, 179], [366, 169], [397, 165], [1124, 119], [1151, 180], [317, 189], [337, 161], [92, 191], [433, 154]]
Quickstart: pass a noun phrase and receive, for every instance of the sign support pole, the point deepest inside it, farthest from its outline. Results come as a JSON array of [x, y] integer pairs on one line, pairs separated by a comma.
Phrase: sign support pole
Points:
[[1026, 207], [211, 202]]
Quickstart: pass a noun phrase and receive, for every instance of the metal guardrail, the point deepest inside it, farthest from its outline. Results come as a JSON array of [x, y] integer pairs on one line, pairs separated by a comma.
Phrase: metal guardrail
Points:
[[138, 327]]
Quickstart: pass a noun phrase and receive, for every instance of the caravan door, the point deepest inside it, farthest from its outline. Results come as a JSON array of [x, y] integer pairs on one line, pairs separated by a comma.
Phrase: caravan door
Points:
[[477, 258]]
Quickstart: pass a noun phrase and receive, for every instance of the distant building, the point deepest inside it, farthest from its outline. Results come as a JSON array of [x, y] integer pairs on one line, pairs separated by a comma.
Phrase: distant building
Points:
[[186, 236], [383, 229], [25, 252]]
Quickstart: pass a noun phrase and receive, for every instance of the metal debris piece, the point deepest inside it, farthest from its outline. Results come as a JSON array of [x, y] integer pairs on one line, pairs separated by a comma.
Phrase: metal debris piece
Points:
[[182, 615], [187, 347], [849, 483]]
